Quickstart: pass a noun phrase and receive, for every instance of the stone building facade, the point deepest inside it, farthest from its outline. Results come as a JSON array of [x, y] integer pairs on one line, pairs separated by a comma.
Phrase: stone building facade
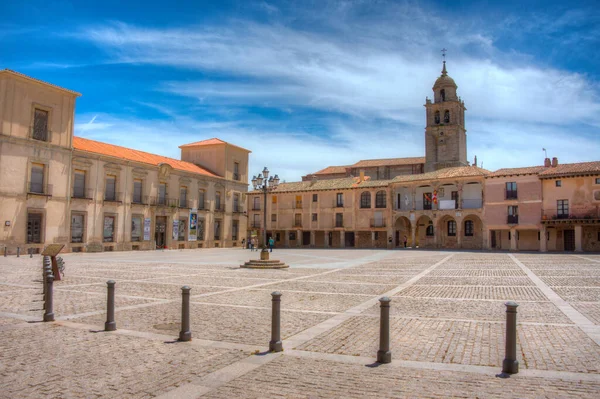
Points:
[[93, 196], [437, 201]]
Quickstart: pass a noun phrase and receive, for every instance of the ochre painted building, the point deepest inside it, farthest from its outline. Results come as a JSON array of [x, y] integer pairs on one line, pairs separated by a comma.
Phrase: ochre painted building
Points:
[[94, 196]]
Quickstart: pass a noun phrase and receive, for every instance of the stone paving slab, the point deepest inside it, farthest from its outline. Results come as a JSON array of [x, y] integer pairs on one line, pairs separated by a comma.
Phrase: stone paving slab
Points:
[[215, 323], [47, 364], [571, 281], [463, 342], [473, 292], [538, 312], [232, 281], [477, 273], [362, 278], [595, 273], [289, 300], [572, 294], [300, 378], [340, 288], [591, 310], [143, 289], [487, 281]]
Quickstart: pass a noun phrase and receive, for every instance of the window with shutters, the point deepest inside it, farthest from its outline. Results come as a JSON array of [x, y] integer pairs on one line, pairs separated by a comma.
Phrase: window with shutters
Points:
[[217, 229], [110, 188], [451, 228], [136, 228], [40, 125], [365, 199], [77, 227], [380, 199], [218, 205], [109, 229], [34, 228], [183, 197], [201, 199], [236, 171], [79, 184], [36, 184], [339, 220], [468, 228], [162, 194], [234, 229], [236, 203]]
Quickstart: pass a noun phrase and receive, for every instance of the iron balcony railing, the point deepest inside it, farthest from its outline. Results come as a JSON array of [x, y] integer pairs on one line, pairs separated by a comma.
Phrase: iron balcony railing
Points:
[[511, 194], [256, 225], [573, 213], [297, 205], [139, 200], [83, 193], [219, 207], [377, 223], [237, 209], [472, 203], [512, 219], [184, 204], [111, 196], [423, 205]]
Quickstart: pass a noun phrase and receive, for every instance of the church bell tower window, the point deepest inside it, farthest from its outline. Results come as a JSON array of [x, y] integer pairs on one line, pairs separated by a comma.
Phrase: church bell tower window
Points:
[[447, 116], [437, 117], [443, 94]]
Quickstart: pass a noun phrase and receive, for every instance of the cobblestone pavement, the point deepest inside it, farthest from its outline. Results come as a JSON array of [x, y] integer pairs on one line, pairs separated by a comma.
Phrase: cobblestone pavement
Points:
[[447, 324]]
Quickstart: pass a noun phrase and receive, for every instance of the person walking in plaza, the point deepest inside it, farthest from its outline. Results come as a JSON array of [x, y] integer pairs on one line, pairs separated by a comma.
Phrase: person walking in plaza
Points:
[[271, 243], [252, 242], [405, 241]]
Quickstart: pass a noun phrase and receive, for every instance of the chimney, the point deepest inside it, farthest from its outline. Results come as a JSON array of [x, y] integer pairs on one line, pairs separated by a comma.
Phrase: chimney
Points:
[[362, 176], [313, 179], [475, 161], [547, 162], [554, 162]]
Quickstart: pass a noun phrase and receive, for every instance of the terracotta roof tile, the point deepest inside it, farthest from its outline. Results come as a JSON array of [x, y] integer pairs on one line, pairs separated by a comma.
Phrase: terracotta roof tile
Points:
[[18, 74], [528, 170], [97, 147], [572, 169], [213, 141], [446, 173], [331, 169], [365, 163], [329, 184]]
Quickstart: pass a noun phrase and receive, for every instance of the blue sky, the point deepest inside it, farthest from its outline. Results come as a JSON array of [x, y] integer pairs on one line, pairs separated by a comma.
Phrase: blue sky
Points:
[[308, 84]]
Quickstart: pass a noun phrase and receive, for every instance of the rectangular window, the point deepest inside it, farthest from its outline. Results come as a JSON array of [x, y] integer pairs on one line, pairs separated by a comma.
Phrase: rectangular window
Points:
[[427, 201], [218, 201], [201, 199], [79, 184], [511, 190], [256, 220], [136, 228], [217, 230], [200, 229], [256, 203], [236, 171], [76, 228], [137, 191], [183, 197], [40, 125], [339, 200], [109, 189], [34, 228], [339, 220], [297, 220], [162, 194], [562, 209], [429, 231], [36, 185], [181, 234], [314, 217], [109, 229], [273, 217], [298, 202], [469, 228], [315, 197], [558, 183], [451, 228], [274, 199], [234, 230], [513, 214], [597, 180], [236, 203], [454, 197]]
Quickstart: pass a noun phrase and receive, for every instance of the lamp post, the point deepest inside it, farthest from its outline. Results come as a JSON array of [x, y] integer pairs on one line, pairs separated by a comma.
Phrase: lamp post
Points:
[[264, 183]]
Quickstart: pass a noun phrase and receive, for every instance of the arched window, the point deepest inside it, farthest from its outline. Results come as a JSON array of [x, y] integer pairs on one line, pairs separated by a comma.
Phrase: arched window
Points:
[[437, 117], [446, 116], [365, 200], [468, 228], [380, 199], [429, 231], [443, 94], [451, 228]]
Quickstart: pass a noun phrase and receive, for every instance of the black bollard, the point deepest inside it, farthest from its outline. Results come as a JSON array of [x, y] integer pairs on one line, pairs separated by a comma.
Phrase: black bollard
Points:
[[510, 365], [49, 314], [18, 252], [185, 334], [31, 252], [111, 324], [5, 251], [275, 345], [384, 355]]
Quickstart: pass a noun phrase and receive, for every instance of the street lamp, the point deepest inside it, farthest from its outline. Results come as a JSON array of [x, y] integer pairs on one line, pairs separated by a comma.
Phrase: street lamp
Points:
[[264, 183]]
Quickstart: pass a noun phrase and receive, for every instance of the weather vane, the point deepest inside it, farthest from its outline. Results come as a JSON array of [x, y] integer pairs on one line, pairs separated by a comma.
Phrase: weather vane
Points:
[[444, 53]]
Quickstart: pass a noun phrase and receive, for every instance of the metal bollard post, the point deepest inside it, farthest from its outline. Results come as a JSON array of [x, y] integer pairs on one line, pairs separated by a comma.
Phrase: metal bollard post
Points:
[[185, 334], [5, 251], [275, 345], [18, 252], [384, 355], [31, 252], [46, 271], [111, 324], [49, 314], [510, 365]]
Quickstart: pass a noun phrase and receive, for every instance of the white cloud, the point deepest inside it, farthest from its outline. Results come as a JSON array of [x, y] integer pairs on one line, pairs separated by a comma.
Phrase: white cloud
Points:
[[373, 69]]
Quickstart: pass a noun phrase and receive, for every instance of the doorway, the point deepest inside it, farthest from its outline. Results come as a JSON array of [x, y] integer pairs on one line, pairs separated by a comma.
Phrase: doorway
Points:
[[494, 243], [160, 231], [349, 239], [569, 240]]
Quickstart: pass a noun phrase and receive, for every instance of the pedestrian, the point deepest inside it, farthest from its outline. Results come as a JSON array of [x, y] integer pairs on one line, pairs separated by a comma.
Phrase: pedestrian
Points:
[[271, 243], [405, 241], [243, 243], [252, 242]]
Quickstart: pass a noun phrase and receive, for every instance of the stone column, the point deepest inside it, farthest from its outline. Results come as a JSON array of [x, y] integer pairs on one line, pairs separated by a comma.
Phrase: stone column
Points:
[[543, 239], [326, 242], [413, 236], [312, 238], [342, 241], [299, 238], [286, 239], [459, 230], [372, 239], [513, 239], [579, 238]]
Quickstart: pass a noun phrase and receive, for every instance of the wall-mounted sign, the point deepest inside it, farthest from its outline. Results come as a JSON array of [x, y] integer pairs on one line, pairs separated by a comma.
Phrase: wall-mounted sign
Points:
[[7, 223], [147, 229]]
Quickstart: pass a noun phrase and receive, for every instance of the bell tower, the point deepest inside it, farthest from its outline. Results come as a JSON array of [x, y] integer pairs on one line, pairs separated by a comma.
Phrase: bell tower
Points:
[[445, 134]]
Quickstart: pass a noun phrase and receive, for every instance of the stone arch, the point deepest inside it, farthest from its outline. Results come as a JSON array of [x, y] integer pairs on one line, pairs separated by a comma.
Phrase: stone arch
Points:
[[402, 227], [437, 117], [422, 240], [474, 241], [446, 116]]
